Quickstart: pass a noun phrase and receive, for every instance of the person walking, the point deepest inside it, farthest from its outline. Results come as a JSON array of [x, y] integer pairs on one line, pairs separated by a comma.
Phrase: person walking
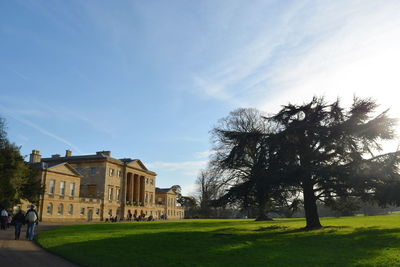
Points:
[[31, 218], [3, 218], [18, 220]]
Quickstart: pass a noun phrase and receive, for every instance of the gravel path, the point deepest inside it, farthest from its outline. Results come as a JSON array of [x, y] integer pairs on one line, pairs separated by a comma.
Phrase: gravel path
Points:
[[22, 252]]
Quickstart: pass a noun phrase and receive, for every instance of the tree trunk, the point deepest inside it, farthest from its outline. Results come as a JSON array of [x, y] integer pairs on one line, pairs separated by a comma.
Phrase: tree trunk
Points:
[[310, 207], [262, 215]]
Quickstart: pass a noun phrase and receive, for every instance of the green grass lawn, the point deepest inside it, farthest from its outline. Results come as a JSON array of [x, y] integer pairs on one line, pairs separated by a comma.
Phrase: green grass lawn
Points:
[[349, 241]]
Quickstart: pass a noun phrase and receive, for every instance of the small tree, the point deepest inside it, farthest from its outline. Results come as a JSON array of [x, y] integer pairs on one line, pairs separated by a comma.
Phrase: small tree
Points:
[[178, 191], [209, 188], [18, 181], [345, 206], [190, 205]]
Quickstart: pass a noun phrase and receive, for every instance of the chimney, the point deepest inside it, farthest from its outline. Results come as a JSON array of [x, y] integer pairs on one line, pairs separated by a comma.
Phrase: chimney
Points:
[[55, 156], [68, 153], [35, 156], [104, 153]]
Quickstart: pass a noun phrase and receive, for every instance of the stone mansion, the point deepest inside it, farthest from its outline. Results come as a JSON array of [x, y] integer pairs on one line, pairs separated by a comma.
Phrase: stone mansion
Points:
[[97, 187]]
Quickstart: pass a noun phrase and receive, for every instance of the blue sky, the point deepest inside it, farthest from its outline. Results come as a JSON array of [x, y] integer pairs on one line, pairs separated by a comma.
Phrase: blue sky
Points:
[[149, 79]]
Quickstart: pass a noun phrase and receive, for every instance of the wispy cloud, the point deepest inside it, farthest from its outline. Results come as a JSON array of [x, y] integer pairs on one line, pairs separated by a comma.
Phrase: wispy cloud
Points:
[[189, 189], [38, 128], [186, 168], [41, 109], [18, 73], [360, 56], [191, 139], [204, 154], [54, 12], [236, 77], [30, 112], [324, 48], [183, 173]]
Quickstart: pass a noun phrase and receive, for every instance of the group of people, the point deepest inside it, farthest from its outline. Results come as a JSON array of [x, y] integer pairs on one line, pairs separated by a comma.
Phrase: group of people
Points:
[[30, 218], [139, 218], [131, 217]]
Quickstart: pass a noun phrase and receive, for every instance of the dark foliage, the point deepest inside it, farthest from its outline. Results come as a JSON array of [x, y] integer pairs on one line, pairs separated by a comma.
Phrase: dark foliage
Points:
[[329, 152], [18, 181]]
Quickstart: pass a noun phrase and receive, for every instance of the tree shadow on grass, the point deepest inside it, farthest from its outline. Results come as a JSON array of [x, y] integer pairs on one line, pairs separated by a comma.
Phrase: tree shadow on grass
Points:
[[158, 225], [272, 247]]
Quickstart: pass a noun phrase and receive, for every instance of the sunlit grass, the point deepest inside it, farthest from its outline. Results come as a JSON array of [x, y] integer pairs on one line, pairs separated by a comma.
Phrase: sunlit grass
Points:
[[349, 241]]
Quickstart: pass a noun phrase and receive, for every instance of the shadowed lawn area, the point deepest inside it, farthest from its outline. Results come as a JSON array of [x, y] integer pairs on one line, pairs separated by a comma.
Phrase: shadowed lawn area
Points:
[[365, 241]]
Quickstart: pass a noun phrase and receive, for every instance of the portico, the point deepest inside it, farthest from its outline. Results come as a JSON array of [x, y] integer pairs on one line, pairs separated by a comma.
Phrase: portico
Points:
[[135, 188]]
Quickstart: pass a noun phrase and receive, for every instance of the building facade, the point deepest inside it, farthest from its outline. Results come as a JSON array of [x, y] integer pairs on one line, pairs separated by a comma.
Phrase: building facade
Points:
[[97, 187]]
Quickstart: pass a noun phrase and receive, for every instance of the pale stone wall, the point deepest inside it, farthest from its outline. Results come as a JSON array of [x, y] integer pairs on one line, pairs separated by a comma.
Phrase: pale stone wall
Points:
[[166, 205], [150, 181], [55, 205], [93, 173], [84, 210], [55, 202], [113, 182]]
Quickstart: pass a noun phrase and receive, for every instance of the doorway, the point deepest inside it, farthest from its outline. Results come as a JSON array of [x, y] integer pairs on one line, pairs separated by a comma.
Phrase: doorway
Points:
[[90, 215]]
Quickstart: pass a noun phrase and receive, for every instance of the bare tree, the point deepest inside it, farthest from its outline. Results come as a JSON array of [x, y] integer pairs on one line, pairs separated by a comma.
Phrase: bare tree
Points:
[[209, 187], [241, 141]]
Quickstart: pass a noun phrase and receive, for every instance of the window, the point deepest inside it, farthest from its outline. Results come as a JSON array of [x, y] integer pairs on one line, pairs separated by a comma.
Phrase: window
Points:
[[110, 193], [72, 189], [110, 212], [147, 180], [93, 171], [120, 174], [97, 211], [52, 186], [50, 208], [60, 209], [82, 211], [145, 198], [151, 181], [151, 198], [70, 209], [62, 188], [117, 194], [111, 172]]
